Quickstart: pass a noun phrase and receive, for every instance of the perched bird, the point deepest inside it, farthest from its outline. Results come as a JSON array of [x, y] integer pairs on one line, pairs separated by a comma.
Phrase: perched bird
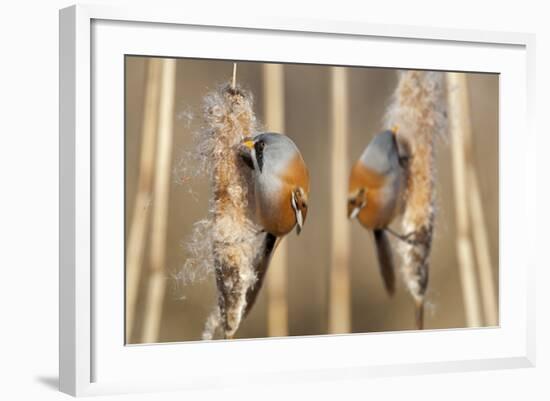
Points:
[[376, 185], [281, 187]]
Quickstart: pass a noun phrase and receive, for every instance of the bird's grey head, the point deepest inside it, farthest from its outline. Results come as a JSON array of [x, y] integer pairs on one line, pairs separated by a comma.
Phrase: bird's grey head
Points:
[[382, 154], [269, 151]]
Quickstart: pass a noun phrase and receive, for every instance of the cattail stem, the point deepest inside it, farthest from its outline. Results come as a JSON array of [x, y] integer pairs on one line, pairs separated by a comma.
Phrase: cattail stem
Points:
[[277, 309], [157, 279], [234, 79], [419, 314], [459, 126], [339, 303], [140, 218]]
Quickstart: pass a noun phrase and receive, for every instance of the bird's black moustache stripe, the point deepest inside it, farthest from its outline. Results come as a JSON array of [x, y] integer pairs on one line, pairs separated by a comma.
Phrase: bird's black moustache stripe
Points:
[[259, 148]]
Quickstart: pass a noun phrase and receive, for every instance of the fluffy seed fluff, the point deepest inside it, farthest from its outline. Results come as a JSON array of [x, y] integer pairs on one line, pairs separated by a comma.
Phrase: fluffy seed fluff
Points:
[[225, 243], [418, 110]]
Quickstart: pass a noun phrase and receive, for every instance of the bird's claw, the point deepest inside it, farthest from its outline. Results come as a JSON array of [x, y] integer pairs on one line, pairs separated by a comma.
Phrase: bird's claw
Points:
[[410, 238]]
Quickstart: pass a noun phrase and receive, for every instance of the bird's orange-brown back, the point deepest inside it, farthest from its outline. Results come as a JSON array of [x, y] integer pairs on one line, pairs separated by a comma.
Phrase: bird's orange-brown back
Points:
[[296, 174]]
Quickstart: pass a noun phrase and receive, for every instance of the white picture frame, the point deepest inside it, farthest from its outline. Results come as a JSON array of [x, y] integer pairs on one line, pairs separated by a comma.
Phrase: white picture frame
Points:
[[93, 357]]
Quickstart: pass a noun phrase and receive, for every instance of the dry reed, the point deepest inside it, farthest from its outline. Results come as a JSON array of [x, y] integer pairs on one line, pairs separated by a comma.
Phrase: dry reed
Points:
[[418, 110], [140, 217], [481, 246], [277, 306], [157, 278], [339, 303], [466, 195]]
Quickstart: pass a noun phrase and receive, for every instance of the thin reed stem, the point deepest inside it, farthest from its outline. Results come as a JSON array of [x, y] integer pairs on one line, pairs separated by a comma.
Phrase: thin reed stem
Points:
[[234, 79], [140, 217], [461, 111], [157, 278], [481, 245], [458, 102], [339, 302]]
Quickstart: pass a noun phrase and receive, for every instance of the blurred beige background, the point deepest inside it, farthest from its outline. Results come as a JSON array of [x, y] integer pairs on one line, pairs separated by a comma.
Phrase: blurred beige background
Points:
[[307, 120]]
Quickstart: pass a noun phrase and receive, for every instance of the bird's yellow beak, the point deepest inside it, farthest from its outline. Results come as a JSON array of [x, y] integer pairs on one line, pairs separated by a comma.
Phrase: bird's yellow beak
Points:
[[249, 143], [395, 129]]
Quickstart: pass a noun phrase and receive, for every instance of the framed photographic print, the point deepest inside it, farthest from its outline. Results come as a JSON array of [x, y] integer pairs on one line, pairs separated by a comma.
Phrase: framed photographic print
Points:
[[324, 199]]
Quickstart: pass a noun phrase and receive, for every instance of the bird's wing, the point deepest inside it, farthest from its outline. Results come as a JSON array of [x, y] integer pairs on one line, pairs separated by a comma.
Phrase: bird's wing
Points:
[[261, 264], [385, 259]]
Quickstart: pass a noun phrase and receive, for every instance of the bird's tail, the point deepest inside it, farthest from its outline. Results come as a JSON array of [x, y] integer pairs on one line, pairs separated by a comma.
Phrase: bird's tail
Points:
[[385, 259], [260, 268]]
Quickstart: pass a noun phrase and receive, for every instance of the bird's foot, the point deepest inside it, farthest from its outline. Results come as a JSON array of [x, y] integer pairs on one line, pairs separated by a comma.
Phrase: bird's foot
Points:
[[410, 238]]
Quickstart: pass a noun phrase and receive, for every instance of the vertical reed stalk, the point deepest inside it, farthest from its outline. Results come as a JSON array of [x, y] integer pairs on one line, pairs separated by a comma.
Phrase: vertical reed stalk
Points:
[[140, 218], [277, 309], [339, 303], [234, 77], [460, 135], [481, 244], [157, 279]]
